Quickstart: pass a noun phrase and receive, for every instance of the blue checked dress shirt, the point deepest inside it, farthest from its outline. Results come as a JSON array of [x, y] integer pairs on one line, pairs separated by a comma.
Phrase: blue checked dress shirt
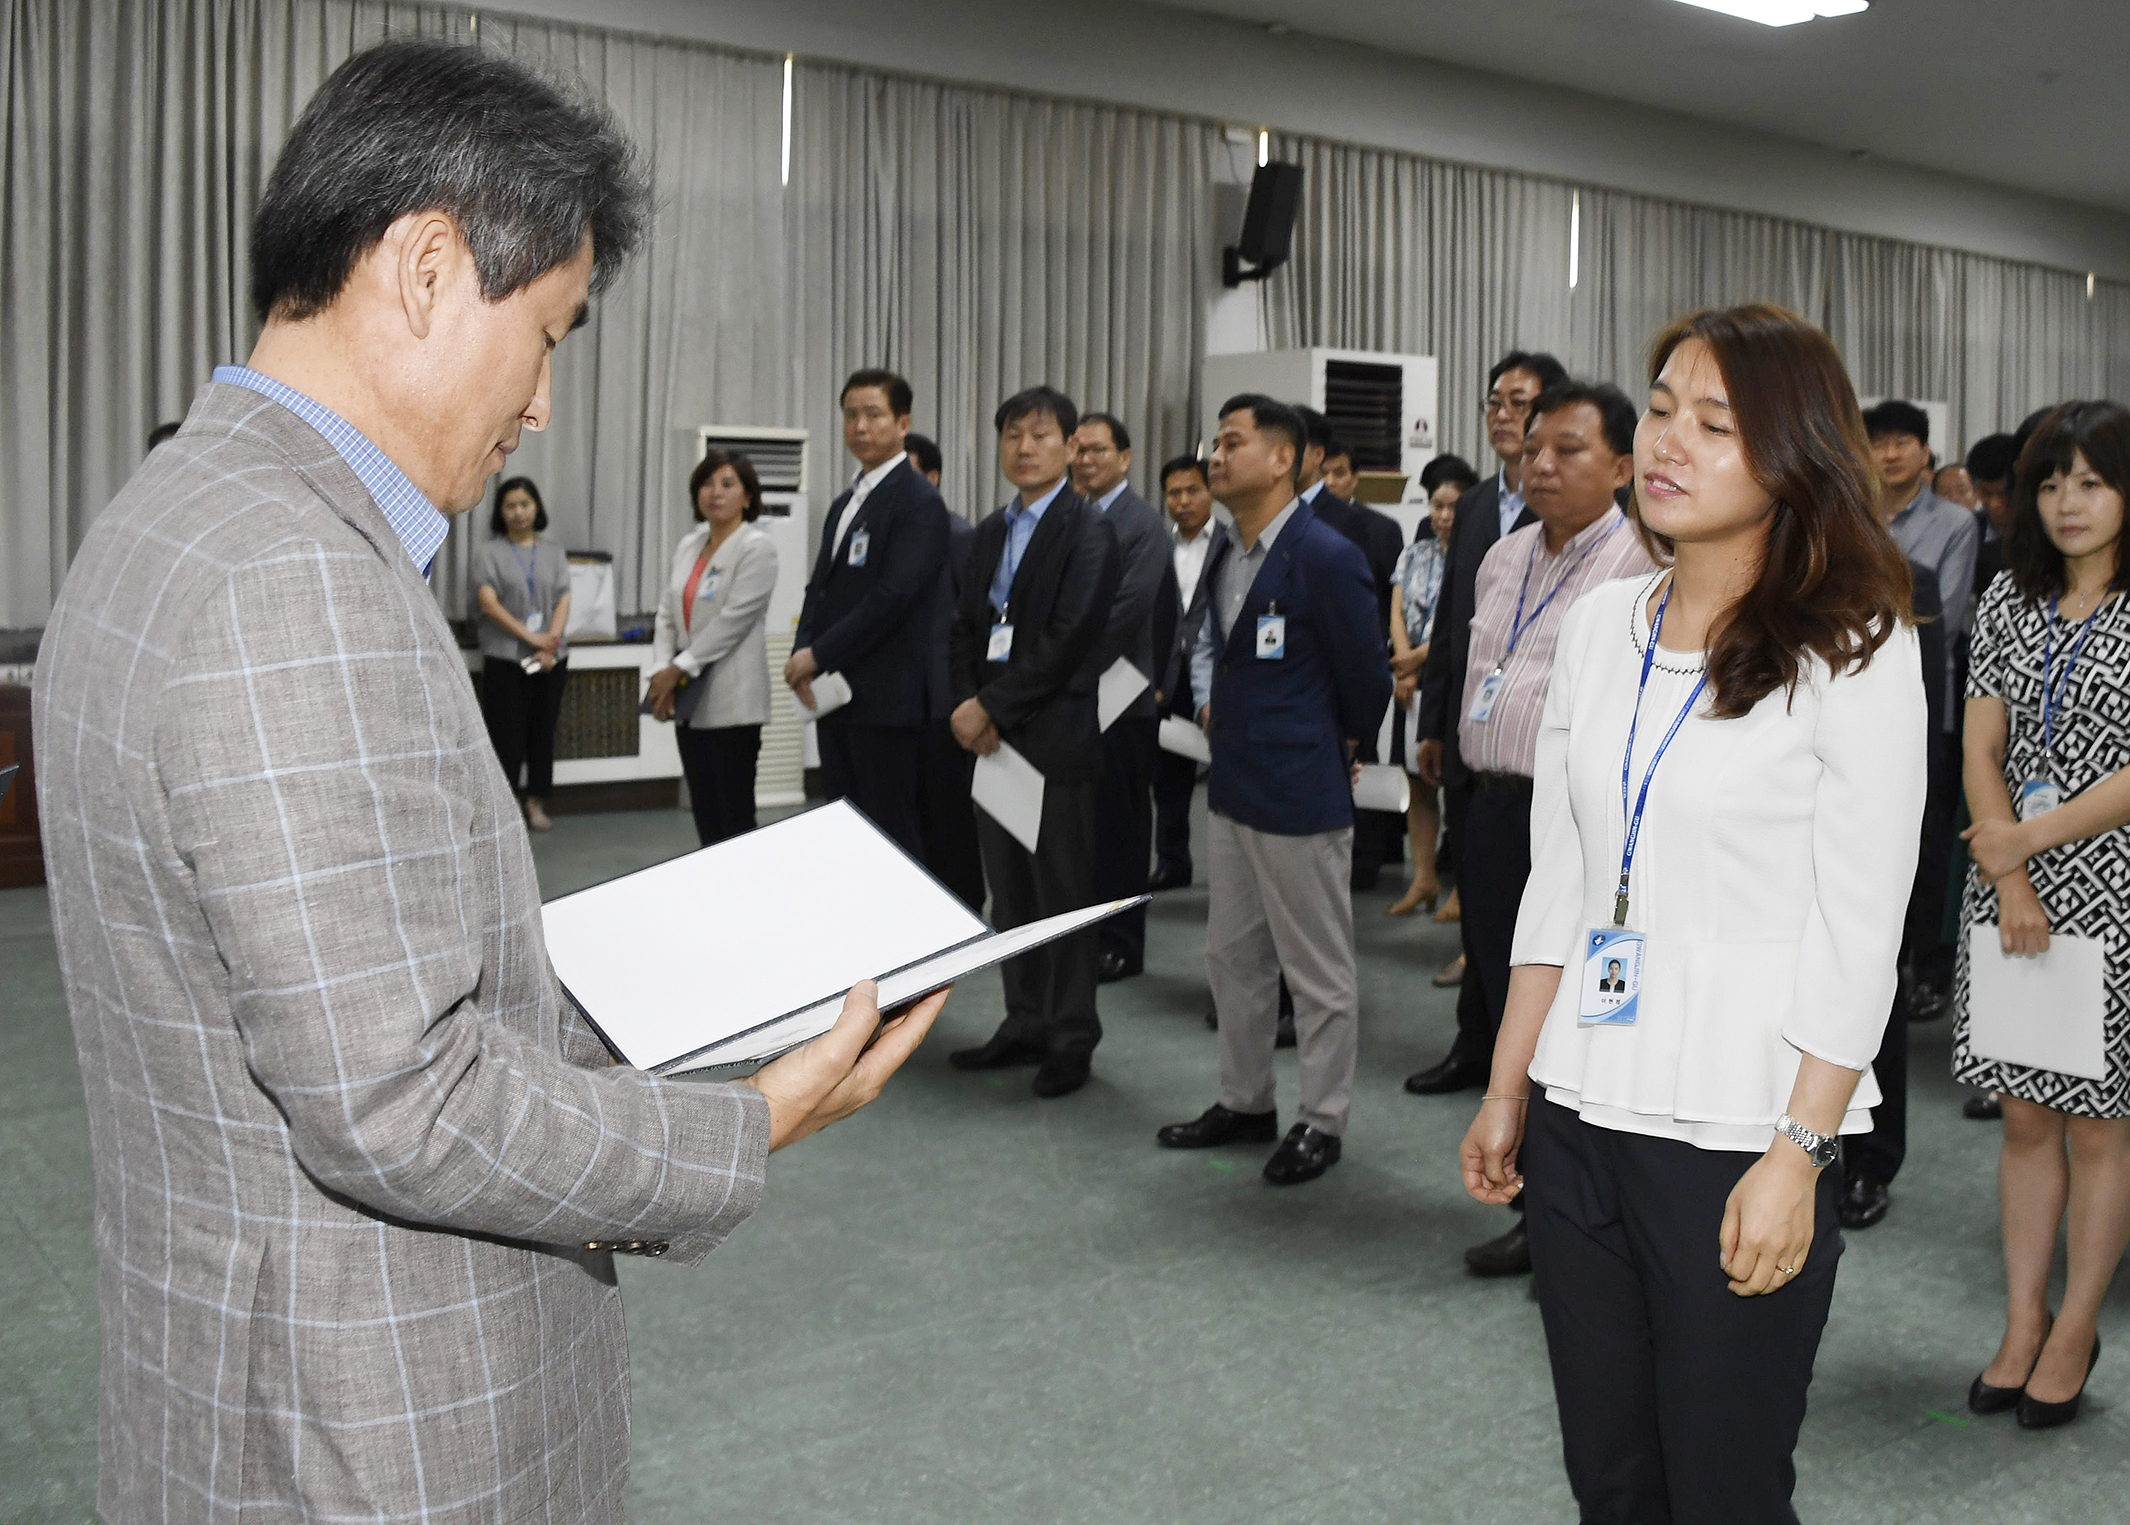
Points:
[[421, 529], [1020, 529]]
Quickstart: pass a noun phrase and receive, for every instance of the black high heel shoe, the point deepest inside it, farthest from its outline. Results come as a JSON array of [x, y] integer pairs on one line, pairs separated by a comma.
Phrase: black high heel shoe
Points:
[[2036, 1415], [1985, 1399]]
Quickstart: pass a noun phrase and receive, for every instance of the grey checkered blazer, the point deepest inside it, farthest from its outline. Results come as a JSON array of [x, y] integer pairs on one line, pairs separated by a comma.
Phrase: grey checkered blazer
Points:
[[349, 1136]]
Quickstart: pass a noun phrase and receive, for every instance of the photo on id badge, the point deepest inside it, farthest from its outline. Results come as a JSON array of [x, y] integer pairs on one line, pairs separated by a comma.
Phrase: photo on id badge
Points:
[[1612, 977]]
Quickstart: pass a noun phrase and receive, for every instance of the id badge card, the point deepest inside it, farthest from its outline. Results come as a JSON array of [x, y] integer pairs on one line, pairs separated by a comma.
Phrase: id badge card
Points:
[[1272, 637], [1000, 646], [1612, 977], [860, 540], [2038, 796], [707, 588], [1489, 693], [536, 622]]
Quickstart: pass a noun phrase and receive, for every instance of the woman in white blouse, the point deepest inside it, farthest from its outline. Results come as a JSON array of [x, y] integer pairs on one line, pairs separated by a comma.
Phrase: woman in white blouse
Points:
[[712, 636], [1751, 889]]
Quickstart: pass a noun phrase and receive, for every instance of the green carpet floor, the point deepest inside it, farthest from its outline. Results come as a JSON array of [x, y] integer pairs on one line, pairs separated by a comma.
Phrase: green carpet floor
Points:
[[966, 1304]]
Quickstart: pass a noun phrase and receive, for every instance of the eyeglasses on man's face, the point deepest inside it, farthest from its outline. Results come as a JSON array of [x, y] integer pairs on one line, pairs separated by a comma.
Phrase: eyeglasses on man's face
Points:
[[1514, 405]]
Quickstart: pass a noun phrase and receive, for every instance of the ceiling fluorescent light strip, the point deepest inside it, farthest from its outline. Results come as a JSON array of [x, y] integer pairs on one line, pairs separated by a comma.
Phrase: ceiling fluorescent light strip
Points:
[[1781, 12]]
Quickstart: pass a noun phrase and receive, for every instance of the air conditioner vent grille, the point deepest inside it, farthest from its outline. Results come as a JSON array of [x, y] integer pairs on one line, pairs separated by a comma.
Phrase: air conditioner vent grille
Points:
[[778, 455], [1365, 402]]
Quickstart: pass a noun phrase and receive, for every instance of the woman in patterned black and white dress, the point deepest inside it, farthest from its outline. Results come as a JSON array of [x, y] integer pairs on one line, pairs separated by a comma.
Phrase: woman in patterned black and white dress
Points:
[[2048, 783]]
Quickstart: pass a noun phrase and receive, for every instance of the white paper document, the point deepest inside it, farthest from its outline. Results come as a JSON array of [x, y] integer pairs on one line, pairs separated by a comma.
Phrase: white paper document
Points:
[[1382, 786], [831, 692], [746, 948], [1178, 735], [1119, 687], [1010, 791], [2045, 1012]]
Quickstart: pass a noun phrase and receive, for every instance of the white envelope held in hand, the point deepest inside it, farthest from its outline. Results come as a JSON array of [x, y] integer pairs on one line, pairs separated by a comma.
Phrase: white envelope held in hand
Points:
[[831, 692], [1178, 735], [1120, 686], [2045, 1013], [1382, 786], [1010, 790]]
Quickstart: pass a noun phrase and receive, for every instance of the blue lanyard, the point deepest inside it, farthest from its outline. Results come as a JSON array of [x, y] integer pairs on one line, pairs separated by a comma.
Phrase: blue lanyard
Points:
[[2051, 692], [532, 596], [1518, 625], [1634, 816]]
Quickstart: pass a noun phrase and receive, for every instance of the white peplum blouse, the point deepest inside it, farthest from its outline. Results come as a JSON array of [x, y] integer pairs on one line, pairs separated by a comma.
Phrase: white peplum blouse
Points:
[[1770, 878]]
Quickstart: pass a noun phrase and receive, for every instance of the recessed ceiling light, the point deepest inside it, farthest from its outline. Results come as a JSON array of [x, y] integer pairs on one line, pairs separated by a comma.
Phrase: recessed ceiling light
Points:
[[1781, 12]]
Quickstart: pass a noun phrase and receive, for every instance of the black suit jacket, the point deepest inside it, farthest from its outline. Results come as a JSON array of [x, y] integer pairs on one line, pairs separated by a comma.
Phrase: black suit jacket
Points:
[[946, 602], [1042, 698], [1478, 526], [1177, 698], [1380, 537], [868, 622]]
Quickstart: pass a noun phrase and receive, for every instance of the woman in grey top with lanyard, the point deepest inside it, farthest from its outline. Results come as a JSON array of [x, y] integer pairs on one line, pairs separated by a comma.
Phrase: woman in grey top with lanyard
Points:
[[522, 584], [712, 637], [1725, 818]]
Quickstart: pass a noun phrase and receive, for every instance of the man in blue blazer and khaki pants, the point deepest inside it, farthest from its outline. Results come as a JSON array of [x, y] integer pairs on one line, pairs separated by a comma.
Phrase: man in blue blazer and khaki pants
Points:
[[1293, 661]]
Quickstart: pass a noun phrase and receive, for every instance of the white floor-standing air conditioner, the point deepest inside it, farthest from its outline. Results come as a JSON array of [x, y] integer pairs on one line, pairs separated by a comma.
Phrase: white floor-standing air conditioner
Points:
[[779, 459], [1383, 407]]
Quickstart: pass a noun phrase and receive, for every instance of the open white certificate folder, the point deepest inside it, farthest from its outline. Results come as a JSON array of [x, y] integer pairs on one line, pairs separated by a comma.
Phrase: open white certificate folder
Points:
[[739, 951], [2044, 1012]]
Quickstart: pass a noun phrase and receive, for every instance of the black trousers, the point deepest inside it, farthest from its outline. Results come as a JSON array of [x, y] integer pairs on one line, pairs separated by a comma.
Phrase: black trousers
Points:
[[1680, 1402], [1124, 831], [1175, 779], [1050, 991], [945, 817], [521, 709], [1923, 946], [1879, 1153], [1495, 861], [875, 767], [719, 766]]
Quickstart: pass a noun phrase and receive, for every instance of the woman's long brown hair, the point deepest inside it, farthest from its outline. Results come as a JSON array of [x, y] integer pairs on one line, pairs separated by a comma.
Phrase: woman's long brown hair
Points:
[[1832, 583]]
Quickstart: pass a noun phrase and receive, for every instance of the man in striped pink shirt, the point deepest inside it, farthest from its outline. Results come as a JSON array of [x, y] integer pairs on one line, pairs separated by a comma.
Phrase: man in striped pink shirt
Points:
[[1579, 453]]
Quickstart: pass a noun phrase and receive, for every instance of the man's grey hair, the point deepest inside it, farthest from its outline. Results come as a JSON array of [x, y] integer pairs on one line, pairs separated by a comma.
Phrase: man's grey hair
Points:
[[525, 164]]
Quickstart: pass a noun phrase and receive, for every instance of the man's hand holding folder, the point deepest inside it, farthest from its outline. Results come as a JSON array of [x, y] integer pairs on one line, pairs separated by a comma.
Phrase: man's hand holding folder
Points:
[[827, 1080]]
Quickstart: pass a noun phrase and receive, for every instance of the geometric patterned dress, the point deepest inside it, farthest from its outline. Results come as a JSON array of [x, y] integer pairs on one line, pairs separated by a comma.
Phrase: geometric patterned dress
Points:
[[2084, 887]]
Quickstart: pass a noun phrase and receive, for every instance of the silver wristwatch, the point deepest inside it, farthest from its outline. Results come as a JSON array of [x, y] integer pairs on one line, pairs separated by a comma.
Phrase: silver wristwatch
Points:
[[1819, 1148]]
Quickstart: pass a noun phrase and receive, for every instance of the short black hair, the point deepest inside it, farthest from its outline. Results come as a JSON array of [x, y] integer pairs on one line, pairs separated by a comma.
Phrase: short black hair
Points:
[[1447, 468], [2099, 431], [1038, 399], [504, 489], [899, 395], [1317, 430], [1615, 412], [1119, 436], [1894, 416], [525, 164], [1271, 416], [1992, 457], [714, 461], [925, 451], [162, 432], [1176, 463], [1549, 371]]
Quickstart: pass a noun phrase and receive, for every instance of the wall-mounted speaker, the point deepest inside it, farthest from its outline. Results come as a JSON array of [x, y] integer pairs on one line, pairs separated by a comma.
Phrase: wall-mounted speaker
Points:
[[1268, 225]]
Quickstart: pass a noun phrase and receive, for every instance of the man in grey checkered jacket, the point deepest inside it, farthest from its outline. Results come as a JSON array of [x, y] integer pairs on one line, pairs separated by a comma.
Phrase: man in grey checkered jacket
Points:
[[361, 1169]]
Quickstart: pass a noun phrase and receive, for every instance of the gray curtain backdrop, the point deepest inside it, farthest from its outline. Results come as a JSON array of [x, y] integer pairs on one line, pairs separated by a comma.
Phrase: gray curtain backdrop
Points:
[[977, 240]]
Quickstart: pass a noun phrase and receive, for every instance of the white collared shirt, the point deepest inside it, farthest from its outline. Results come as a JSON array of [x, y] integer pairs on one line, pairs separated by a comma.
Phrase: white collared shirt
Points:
[[860, 491], [1190, 561]]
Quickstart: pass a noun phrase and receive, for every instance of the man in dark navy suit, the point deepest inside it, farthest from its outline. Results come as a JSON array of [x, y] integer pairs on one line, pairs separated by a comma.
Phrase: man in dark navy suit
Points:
[[864, 616], [1484, 514], [945, 815], [1290, 654], [1026, 654], [1142, 622], [1188, 496]]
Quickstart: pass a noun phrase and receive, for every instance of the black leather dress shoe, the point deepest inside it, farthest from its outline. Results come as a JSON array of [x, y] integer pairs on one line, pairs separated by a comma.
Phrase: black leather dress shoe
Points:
[[1001, 1053], [1455, 1073], [1060, 1075], [1982, 1109], [1303, 1155], [1166, 881], [1927, 1003], [1506, 1255], [2036, 1415], [1863, 1203], [1114, 966], [1216, 1126]]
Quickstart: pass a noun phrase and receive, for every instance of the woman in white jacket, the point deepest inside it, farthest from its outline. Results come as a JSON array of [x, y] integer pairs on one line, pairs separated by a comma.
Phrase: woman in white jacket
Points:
[[712, 638], [1727, 922]]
